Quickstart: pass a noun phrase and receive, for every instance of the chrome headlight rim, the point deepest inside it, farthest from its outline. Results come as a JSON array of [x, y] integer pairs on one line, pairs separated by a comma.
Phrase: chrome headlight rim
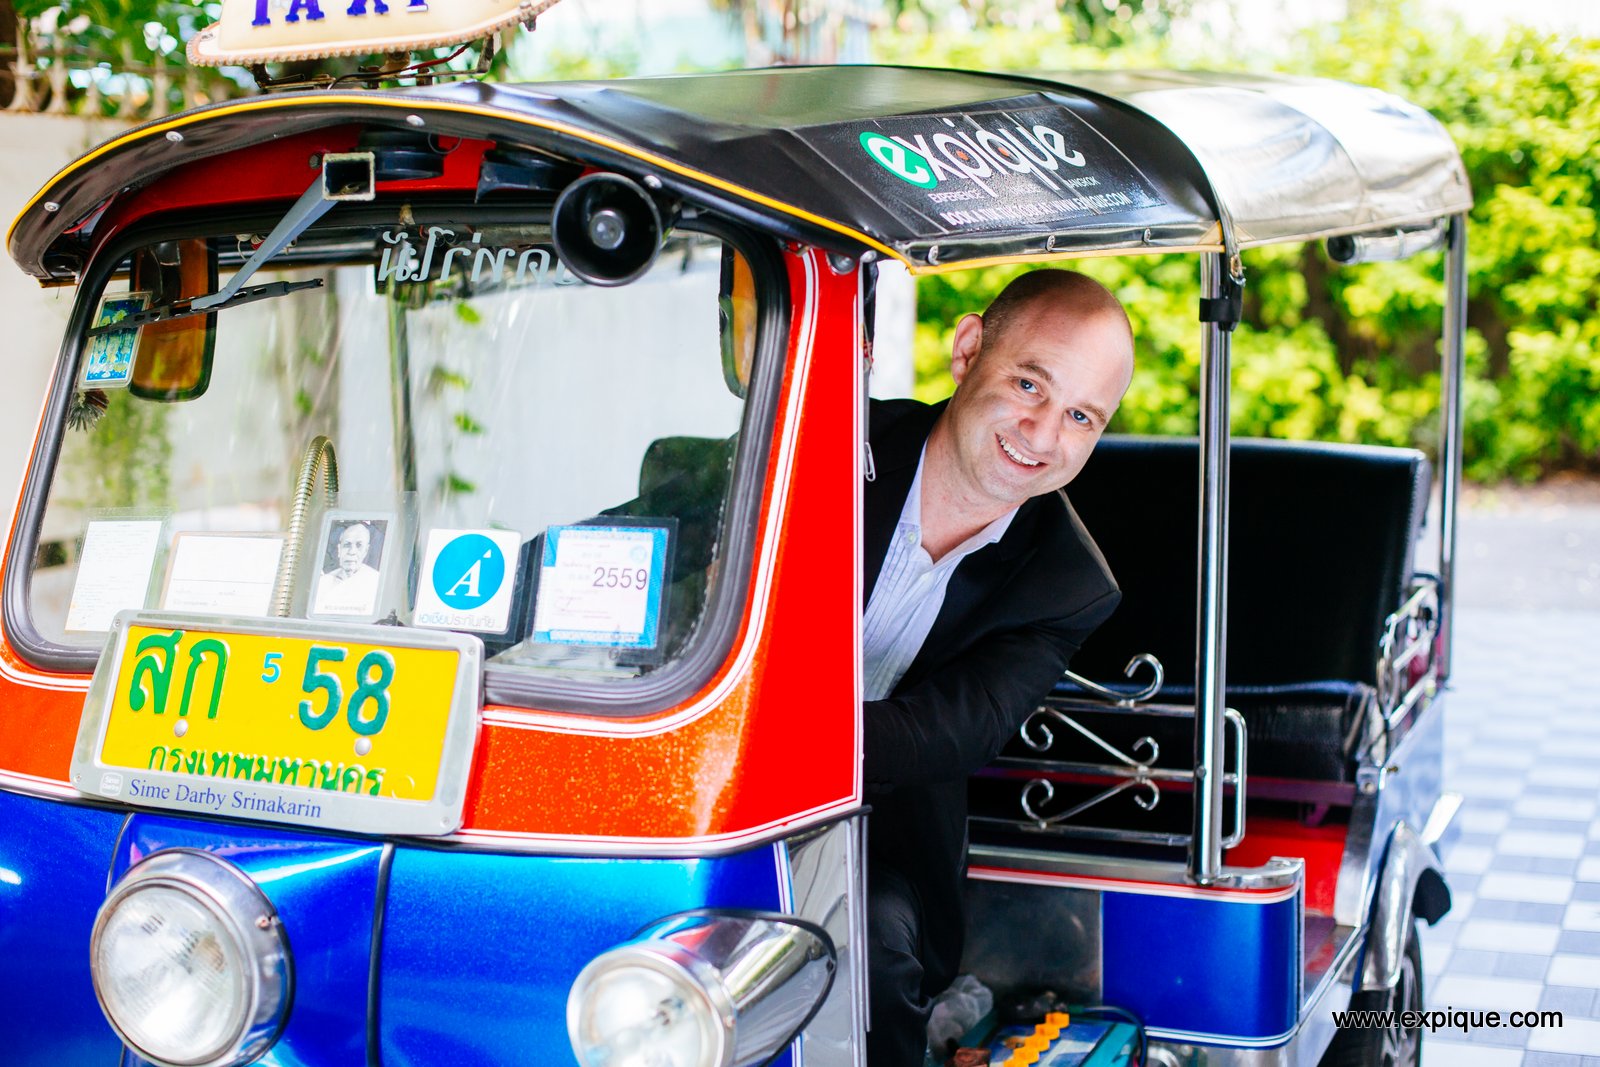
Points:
[[238, 905], [667, 923], [654, 944]]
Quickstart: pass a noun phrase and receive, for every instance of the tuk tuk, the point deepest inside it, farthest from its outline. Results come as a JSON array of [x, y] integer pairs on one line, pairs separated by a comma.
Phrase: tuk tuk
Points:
[[432, 612]]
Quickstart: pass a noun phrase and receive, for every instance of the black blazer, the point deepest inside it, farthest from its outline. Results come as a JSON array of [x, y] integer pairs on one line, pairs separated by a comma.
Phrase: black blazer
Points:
[[1013, 615]]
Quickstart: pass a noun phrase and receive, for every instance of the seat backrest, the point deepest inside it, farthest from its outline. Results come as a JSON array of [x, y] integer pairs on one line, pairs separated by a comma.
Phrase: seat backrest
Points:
[[1321, 541]]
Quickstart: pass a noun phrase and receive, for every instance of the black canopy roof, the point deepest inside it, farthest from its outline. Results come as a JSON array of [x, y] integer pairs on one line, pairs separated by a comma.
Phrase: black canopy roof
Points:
[[938, 168]]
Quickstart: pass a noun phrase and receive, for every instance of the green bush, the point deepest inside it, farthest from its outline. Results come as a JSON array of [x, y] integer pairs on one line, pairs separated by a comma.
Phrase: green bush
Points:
[[1351, 353]]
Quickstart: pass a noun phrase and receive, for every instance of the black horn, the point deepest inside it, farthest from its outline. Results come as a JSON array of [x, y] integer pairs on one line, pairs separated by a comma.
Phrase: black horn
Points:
[[607, 230]]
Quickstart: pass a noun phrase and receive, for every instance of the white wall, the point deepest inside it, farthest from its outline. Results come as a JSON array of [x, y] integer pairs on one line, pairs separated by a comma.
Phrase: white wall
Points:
[[32, 149]]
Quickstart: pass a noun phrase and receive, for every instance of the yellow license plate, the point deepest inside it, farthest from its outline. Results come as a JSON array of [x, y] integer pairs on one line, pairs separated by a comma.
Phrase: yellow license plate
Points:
[[314, 729]]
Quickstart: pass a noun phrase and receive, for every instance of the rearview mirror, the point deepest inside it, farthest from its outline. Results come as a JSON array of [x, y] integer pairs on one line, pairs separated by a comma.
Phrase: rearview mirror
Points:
[[174, 357], [737, 309]]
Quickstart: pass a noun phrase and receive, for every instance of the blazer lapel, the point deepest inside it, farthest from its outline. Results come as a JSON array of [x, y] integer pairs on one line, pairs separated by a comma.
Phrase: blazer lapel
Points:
[[979, 576]]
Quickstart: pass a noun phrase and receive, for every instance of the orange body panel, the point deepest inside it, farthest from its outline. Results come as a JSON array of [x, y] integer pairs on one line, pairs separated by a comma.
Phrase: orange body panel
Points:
[[771, 741]]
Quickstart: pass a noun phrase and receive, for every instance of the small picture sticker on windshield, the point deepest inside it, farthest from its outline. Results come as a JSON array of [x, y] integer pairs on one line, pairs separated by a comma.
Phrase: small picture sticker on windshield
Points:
[[602, 585], [108, 364], [468, 576], [352, 571]]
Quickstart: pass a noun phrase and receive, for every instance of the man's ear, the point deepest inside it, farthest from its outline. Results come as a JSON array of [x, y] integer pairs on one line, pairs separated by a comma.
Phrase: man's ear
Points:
[[966, 346]]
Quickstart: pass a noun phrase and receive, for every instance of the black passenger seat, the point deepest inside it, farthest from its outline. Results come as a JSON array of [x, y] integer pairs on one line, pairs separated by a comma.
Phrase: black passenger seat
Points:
[[1322, 541]]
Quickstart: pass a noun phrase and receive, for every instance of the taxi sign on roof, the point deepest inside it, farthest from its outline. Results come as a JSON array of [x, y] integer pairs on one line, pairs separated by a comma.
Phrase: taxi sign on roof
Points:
[[274, 31]]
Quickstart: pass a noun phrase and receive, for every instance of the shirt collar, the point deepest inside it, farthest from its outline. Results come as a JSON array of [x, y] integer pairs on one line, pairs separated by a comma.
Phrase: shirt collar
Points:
[[911, 517]]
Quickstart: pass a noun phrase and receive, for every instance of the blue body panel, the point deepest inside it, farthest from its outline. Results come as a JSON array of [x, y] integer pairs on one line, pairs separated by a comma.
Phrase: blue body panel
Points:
[[480, 950], [53, 863], [325, 890], [1178, 963]]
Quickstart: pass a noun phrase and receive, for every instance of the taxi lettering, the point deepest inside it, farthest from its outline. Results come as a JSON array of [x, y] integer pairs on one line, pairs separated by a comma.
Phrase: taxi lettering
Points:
[[312, 10]]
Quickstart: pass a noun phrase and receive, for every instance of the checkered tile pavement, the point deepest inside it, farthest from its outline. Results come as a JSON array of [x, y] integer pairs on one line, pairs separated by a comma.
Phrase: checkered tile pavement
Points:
[[1523, 748]]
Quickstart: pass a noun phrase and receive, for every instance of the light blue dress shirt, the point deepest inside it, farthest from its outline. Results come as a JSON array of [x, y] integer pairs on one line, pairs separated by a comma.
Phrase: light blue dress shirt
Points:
[[910, 591]]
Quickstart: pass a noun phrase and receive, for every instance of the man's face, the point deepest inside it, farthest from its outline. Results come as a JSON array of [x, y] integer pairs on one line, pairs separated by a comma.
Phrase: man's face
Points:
[[1031, 404], [353, 545]]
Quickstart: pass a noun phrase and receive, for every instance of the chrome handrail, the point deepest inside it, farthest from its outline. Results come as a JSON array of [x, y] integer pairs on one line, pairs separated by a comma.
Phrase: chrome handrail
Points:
[[1408, 634], [1116, 697], [1135, 773]]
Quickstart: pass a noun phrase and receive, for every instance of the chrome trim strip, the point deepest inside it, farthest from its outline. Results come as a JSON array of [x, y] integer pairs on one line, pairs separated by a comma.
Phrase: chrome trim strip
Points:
[[701, 845], [829, 893], [54, 682], [1148, 889], [1195, 1037], [34, 786], [1440, 818], [1276, 874]]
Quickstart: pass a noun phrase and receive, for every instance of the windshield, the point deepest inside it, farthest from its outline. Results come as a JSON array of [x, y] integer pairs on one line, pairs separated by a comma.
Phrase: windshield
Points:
[[430, 425]]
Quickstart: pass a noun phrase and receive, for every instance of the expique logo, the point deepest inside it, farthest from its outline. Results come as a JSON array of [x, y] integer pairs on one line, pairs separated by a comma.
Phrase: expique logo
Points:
[[894, 156], [979, 154]]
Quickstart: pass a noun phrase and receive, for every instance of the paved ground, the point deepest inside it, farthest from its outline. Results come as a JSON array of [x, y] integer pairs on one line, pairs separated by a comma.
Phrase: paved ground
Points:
[[1531, 549], [1523, 747]]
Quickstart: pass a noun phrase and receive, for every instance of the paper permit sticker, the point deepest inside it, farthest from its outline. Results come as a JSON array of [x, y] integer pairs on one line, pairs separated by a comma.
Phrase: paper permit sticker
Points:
[[223, 574], [601, 585], [109, 361], [467, 578], [113, 571]]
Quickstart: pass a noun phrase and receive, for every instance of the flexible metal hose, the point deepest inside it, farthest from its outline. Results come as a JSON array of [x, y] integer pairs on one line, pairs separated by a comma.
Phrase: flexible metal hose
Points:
[[319, 456]]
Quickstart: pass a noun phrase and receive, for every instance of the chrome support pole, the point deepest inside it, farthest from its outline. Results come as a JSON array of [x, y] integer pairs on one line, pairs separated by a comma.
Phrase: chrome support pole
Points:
[[1211, 631], [1454, 369]]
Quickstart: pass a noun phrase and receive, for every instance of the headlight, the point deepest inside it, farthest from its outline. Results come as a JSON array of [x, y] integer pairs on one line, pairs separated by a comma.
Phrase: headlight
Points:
[[190, 963], [700, 990], [638, 1008]]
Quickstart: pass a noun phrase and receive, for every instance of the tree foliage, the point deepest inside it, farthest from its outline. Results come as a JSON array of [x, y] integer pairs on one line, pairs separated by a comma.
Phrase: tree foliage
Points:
[[1338, 353], [783, 28], [136, 29], [1351, 353]]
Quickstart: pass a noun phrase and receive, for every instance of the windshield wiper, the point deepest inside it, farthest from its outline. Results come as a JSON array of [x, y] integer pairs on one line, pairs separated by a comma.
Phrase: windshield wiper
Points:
[[314, 203], [182, 309]]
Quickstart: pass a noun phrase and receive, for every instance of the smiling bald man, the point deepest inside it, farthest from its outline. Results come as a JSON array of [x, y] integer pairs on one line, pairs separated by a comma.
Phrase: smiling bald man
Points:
[[980, 584]]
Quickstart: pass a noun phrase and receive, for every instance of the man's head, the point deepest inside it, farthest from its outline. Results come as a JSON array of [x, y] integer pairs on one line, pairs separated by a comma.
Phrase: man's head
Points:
[[1037, 377], [354, 540]]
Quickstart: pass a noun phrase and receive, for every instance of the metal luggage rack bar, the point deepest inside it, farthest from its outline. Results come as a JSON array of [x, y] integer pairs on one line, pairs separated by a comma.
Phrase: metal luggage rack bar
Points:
[[1130, 772]]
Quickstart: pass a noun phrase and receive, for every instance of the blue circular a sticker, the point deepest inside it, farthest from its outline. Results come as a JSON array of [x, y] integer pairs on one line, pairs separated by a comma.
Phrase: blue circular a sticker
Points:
[[468, 572]]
